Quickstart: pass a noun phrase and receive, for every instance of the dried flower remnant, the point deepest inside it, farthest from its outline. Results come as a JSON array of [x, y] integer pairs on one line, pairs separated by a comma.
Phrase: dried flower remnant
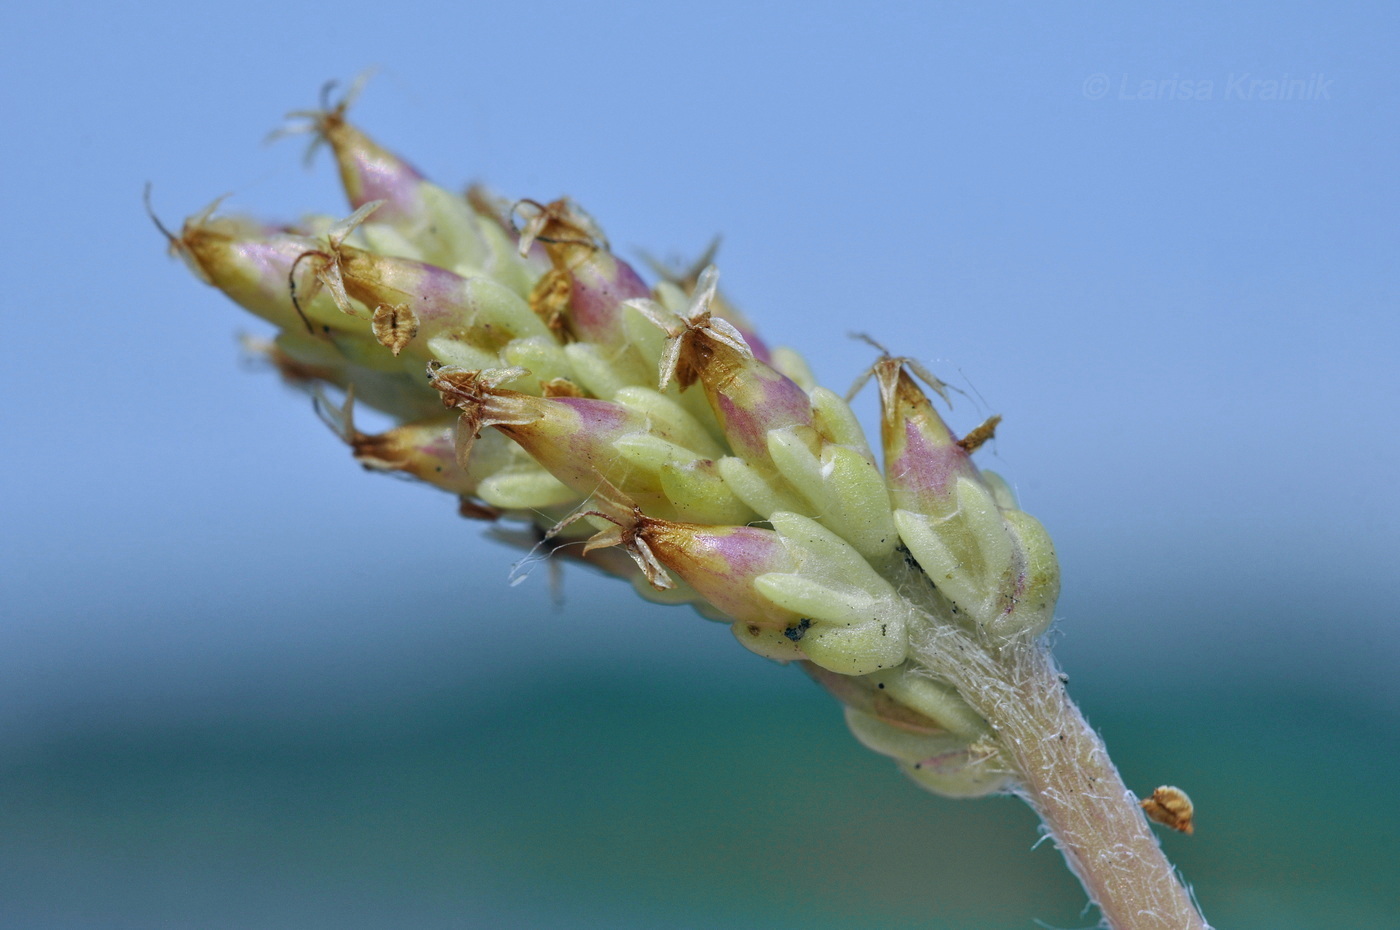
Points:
[[647, 431], [1171, 807]]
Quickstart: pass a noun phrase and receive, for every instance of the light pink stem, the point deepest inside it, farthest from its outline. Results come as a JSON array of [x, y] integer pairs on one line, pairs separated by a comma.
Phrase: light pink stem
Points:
[[1065, 774]]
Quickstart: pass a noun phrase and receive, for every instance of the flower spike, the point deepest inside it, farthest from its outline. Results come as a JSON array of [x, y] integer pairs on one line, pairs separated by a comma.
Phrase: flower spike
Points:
[[558, 404]]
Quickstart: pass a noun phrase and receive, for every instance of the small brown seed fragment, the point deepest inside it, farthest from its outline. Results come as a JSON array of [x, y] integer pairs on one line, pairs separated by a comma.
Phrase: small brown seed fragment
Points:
[[1171, 807], [560, 387], [550, 300], [394, 326]]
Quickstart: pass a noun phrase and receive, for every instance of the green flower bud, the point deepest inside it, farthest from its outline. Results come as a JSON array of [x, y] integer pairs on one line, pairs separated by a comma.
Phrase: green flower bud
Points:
[[859, 620], [589, 285], [429, 222], [412, 304], [584, 442], [748, 397], [253, 265], [994, 564]]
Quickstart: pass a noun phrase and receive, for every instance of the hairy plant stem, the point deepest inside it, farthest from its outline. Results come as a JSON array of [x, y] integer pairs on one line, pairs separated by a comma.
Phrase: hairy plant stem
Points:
[[1063, 771]]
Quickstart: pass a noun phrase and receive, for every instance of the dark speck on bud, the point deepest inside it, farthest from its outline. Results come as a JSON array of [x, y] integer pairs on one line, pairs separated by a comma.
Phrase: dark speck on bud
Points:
[[798, 630]]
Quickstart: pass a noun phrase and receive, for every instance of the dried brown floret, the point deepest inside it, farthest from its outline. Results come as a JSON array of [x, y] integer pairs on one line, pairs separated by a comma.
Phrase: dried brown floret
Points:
[[1171, 807], [394, 326]]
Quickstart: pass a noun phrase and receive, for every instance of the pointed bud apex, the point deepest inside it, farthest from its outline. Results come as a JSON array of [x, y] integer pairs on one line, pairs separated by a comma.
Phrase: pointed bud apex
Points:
[[994, 563], [257, 267], [686, 281], [440, 226], [923, 458], [368, 171], [721, 563], [424, 450], [748, 397]]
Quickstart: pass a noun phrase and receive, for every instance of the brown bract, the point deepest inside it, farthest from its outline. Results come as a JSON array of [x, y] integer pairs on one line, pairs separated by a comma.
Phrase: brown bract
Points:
[[326, 266], [476, 393], [899, 392], [894, 375], [628, 531], [703, 341]]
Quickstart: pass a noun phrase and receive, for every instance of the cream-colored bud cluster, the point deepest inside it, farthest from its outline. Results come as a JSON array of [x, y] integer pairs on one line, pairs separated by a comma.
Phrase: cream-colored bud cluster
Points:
[[648, 431]]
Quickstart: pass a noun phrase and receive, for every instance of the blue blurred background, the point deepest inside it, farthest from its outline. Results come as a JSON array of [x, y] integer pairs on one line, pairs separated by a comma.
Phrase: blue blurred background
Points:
[[243, 684]]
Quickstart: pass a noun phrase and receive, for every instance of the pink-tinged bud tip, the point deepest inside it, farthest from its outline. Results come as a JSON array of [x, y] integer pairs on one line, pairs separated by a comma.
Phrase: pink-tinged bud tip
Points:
[[748, 397], [719, 562], [368, 171], [576, 439], [588, 285], [923, 459]]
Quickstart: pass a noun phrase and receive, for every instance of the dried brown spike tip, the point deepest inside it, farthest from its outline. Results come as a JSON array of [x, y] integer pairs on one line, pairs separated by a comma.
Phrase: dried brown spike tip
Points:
[[1171, 807], [328, 125]]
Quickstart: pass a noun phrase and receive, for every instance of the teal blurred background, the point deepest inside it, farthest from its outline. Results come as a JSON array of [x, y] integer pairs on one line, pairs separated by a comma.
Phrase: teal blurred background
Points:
[[243, 684]]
